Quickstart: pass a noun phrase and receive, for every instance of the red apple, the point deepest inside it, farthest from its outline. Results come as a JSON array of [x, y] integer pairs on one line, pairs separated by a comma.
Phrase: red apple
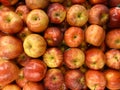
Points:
[[99, 14], [73, 36], [113, 79], [77, 15], [113, 58], [95, 58], [10, 22], [78, 1], [9, 2], [53, 36], [95, 80], [37, 20], [11, 87], [74, 58], [22, 11], [10, 47], [33, 86], [8, 72], [114, 17], [36, 4], [54, 79], [113, 39], [56, 13], [75, 80], [95, 35], [114, 3], [35, 70], [34, 45], [98, 2], [53, 57]]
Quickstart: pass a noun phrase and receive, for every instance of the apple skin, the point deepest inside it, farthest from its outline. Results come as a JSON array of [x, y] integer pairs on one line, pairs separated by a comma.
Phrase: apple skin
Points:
[[35, 70], [10, 22], [99, 14], [11, 87], [95, 80], [56, 1], [95, 58], [53, 36], [34, 45], [73, 58], [56, 13], [94, 35], [36, 4], [6, 8], [93, 2], [53, 57], [113, 39], [10, 47], [75, 80], [33, 86], [114, 17], [73, 36], [114, 3], [113, 79], [54, 79], [78, 1], [8, 73], [113, 58], [77, 15], [8, 2]]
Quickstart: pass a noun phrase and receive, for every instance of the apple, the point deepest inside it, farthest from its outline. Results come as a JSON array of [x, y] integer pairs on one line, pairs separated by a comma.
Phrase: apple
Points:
[[22, 11], [99, 14], [11, 87], [56, 1], [78, 1], [35, 70], [53, 57], [6, 8], [54, 79], [113, 58], [36, 4], [34, 45], [98, 2], [113, 38], [95, 59], [8, 73], [94, 35], [24, 33], [95, 80], [74, 36], [10, 47], [8, 2], [33, 86], [75, 80], [113, 79], [37, 20], [74, 58], [56, 13], [114, 3], [114, 17], [10, 22], [77, 15], [53, 36]]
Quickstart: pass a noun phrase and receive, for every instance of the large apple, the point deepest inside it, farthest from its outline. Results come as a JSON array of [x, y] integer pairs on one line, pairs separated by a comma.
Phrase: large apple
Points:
[[34, 45], [37, 20]]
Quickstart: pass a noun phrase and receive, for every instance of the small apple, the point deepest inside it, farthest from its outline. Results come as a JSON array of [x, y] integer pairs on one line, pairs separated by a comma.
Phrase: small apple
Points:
[[73, 36], [113, 79], [114, 3], [53, 57], [34, 45], [10, 47], [54, 79], [8, 2], [95, 80], [10, 22], [36, 4], [75, 80], [74, 58], [11, 87], [77, 15], [95, 58], [37, 20], [95, 35], [113, 58], [53, 36], [113, 38], [99, 14], [35, 70], [78, 1], [56, 13]]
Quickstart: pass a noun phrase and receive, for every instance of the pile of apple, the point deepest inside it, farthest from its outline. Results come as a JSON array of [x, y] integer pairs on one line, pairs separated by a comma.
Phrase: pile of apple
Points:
[[59, 44]]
